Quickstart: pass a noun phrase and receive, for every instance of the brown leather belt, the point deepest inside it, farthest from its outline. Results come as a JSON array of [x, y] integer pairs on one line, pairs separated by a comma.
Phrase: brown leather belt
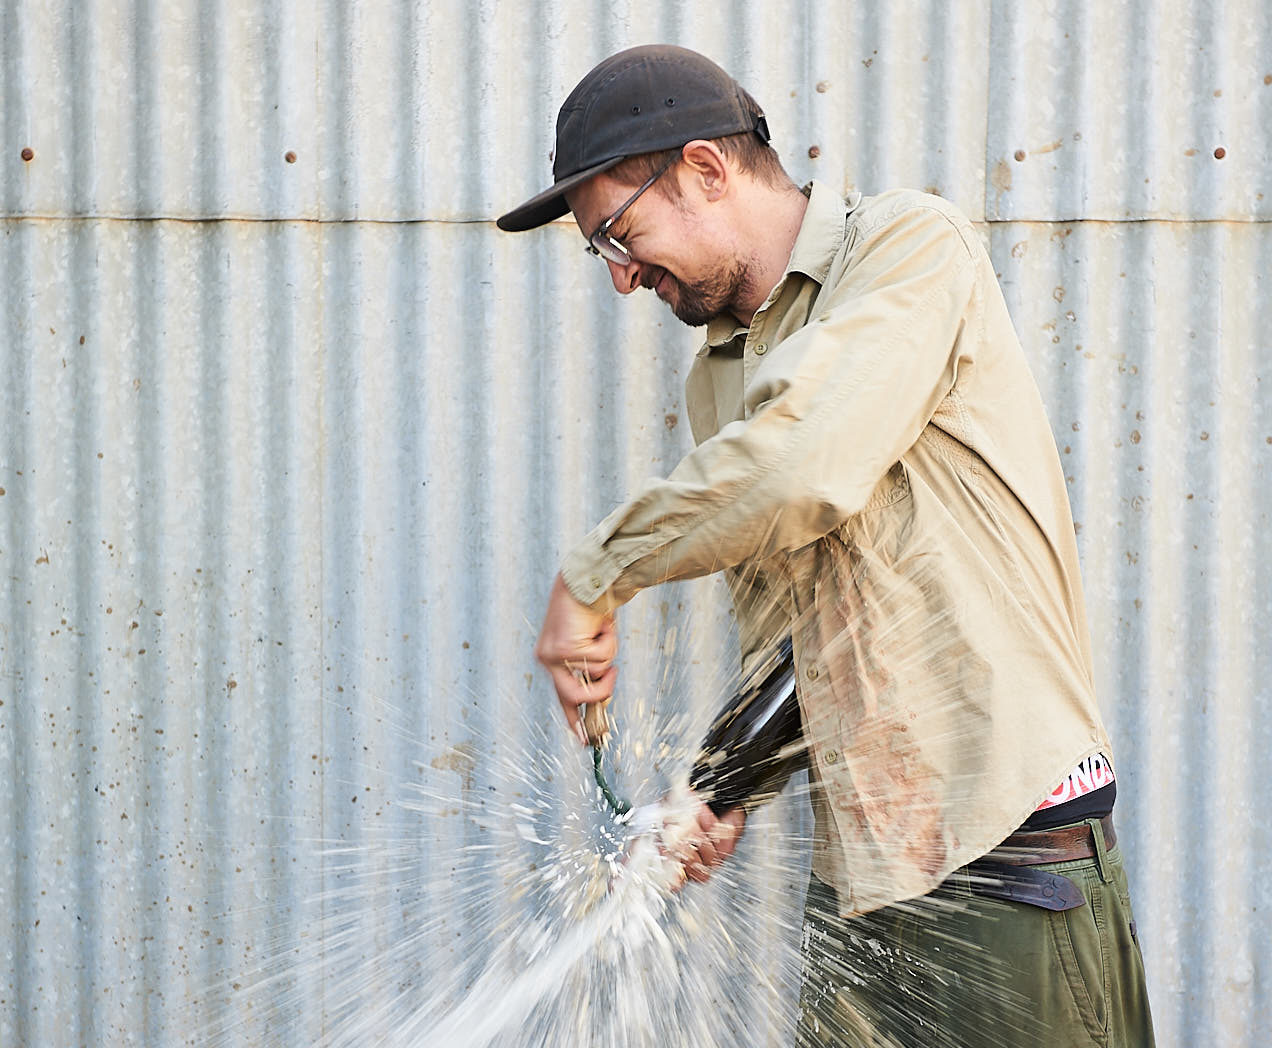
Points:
[[1005, 872], [1034, 847]]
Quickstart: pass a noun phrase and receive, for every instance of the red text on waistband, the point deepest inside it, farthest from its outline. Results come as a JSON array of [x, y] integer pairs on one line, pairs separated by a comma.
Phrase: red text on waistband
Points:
[[1091, 774]]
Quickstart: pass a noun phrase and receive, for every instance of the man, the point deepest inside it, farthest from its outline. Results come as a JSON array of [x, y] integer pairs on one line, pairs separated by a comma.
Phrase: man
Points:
[[875, 474]]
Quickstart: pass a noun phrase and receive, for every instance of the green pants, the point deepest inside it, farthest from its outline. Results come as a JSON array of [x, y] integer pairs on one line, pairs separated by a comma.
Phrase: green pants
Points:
[[956, 968]]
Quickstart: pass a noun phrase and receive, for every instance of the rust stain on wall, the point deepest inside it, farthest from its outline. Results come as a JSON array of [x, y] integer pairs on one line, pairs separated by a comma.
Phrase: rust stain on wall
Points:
[[461, 759]]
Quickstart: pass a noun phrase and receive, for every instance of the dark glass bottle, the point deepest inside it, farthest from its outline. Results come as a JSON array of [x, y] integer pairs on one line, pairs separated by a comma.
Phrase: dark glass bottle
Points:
[[756, 733]]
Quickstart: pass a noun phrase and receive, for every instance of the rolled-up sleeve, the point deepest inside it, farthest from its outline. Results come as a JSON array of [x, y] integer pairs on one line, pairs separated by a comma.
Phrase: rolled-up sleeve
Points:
[[830, 409]]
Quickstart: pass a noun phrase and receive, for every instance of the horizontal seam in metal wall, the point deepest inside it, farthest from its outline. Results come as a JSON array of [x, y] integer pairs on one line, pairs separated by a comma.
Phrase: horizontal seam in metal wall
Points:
[[1121, 221], [490, 222]]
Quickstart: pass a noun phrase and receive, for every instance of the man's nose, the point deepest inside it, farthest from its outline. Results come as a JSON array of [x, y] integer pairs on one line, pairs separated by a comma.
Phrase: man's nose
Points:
[[626, 278]]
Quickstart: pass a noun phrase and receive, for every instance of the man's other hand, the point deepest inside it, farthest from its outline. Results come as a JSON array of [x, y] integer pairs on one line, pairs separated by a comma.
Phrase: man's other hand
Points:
[[707, 845], [577, 646]]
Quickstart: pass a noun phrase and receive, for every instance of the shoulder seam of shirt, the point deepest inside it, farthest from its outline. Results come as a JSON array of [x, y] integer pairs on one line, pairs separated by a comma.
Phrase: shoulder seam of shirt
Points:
[[914, 200]]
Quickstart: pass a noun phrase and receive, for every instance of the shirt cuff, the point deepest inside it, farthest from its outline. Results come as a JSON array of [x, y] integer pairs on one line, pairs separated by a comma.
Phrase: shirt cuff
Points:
[[589, 573]]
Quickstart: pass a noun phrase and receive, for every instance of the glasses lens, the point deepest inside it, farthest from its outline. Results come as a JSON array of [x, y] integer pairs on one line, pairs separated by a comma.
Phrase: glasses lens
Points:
[[610, 250]]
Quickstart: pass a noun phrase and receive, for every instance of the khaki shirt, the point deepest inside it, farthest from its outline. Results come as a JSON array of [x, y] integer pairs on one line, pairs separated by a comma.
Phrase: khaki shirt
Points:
[[875, 473]]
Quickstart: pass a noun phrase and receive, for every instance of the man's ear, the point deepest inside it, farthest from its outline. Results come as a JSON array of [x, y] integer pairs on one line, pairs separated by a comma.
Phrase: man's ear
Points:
[[708, 170]]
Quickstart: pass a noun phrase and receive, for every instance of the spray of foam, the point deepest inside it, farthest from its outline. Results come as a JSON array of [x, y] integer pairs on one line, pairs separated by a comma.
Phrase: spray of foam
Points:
[[484, 909]]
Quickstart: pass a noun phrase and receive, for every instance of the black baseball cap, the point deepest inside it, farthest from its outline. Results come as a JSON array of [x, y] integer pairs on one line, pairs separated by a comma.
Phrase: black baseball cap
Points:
[[641, 100]]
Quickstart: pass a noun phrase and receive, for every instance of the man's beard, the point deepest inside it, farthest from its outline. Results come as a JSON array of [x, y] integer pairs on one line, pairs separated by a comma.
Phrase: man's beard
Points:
[[698, 301]]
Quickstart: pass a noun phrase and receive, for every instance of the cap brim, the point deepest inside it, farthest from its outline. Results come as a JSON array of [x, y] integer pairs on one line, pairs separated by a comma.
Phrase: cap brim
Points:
[[550, 203]]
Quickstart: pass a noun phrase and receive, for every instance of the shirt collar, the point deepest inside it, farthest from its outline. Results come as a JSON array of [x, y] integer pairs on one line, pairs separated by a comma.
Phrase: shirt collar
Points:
[[821, 235]]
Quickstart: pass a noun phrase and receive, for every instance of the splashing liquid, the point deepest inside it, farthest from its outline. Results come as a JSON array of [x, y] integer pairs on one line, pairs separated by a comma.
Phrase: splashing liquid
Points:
[[487, 912]]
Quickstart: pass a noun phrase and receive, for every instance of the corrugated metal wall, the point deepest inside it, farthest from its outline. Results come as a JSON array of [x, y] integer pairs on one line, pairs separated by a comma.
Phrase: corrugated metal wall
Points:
[[291, 439]]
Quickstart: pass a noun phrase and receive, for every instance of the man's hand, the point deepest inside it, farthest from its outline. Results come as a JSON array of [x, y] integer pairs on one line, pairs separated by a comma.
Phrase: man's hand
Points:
[[577, 646], [702, 849]]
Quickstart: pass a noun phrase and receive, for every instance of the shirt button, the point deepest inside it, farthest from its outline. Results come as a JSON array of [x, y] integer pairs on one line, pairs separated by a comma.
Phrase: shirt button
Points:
[[596, 581], [812, 673], [831, 757], [761, 349]]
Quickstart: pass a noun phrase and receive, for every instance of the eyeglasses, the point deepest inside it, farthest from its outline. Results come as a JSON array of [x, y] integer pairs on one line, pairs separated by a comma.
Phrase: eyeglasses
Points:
[[601, 243]]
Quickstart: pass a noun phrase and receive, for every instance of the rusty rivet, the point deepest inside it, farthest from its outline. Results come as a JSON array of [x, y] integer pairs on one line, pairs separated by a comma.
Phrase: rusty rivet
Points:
[[814, 152], [290, 157], [1020, 154], [1220, 153], [28, 154]]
